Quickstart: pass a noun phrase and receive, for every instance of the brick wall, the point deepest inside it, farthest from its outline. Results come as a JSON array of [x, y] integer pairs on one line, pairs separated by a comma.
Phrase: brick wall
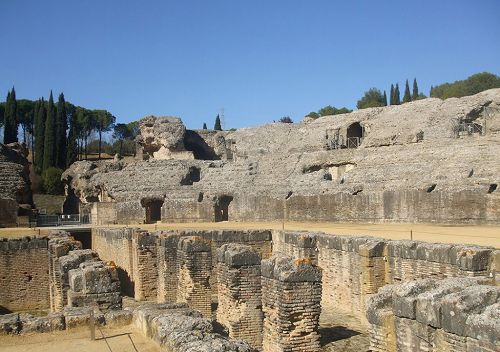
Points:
[[194, 268], [24, 274], [291, 302], [145, 265], [239, 290], [355, 267]]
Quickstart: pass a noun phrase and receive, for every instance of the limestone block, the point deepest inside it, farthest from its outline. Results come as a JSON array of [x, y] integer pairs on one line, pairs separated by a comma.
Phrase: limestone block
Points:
[[79, 317], [457, 307], [118, 317], [50, 323], [10, 324], [236, 255]]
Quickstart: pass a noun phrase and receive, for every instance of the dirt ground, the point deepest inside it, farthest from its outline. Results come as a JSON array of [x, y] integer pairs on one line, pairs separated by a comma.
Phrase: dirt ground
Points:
[[125, 339], [469, 234]]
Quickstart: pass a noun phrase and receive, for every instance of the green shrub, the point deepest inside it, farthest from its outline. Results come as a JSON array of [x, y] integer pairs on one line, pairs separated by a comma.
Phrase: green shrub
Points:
[[52, 183]]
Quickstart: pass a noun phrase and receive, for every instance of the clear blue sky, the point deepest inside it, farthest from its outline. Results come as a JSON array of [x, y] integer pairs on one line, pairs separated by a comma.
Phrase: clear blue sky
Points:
[[259, 60]]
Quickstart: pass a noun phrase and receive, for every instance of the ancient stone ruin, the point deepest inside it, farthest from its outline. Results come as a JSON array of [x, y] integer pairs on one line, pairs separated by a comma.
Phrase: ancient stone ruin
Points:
[[15, 191], [255, 290], [402, 163]]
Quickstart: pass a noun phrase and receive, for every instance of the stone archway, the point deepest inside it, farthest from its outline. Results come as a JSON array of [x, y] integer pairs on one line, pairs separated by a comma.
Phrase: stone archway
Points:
[[354, 135]]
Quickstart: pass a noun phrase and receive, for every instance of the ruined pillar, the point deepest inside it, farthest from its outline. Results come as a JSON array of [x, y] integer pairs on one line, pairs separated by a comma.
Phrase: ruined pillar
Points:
[[239, 288], [195, 264], [291, 297], [59, 246], [145, 267], [167, 267]]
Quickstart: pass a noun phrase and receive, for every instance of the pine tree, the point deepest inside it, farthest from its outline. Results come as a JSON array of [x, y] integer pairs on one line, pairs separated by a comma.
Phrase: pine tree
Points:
[[385, 99], [10, 118], [397, 95], [61, 126], [205, 126], [430, 92], [49, 147], [217, 125], [415, 90], [40, 118], [72, 147], [392, 95], [407, 95]]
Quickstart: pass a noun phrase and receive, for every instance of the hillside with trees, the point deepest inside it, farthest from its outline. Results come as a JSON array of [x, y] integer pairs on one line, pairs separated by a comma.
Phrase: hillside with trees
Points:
[[470, 86]]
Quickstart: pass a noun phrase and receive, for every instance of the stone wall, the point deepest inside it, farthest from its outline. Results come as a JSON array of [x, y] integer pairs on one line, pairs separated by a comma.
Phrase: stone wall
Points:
[[24, 274], [355, 267], [145, 265], [177, 328], [239, 293], [116, 245], [458, 314], [291, 302], [194, 259]]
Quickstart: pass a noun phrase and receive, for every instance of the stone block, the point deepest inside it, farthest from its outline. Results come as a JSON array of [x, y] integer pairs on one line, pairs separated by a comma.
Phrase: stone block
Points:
[[118, 317], [50, 323], [472, 258], [284, 268], [405, 297], [10, 324], [193, 244], [457, 307], [236, 255]]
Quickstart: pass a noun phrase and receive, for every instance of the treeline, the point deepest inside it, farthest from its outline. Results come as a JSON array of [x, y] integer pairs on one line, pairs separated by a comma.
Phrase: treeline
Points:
[[58, 134], [472, 85]]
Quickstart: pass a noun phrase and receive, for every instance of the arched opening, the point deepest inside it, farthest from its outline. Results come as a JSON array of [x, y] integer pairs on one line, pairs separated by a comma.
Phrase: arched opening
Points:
[[354, 135], [222, 208], [153, 210]]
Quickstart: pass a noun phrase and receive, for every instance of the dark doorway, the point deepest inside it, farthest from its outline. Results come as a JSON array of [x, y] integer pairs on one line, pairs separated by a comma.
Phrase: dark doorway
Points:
[[85, 237], [354, 135], [222, 208], [153, 210]]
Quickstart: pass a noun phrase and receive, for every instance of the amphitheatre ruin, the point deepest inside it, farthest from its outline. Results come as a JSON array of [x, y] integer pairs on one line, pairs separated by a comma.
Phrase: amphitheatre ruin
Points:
[[197, 244]]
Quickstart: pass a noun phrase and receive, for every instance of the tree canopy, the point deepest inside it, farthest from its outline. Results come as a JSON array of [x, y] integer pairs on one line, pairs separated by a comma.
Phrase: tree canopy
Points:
[[371, 99], [470, 86]]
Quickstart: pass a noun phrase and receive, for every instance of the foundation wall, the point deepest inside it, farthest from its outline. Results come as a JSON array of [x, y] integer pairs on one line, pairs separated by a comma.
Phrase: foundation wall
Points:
[[24, 274], [145, 265], [355, 267], [116, 245]]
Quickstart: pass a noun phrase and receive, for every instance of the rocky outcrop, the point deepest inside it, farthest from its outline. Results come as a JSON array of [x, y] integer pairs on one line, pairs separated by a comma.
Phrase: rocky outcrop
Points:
[[425, 161], [162, 138], [15, 188]]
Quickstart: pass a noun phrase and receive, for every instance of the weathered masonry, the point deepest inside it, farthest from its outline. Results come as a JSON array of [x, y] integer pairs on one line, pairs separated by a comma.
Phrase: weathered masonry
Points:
[[372, 165], [271, 289]]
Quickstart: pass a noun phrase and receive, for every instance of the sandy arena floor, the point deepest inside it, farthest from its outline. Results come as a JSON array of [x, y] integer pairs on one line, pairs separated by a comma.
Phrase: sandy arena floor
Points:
[[471, 234], [125, 339]]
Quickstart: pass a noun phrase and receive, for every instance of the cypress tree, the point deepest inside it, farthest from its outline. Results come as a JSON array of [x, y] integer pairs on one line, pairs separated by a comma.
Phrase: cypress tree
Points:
[[61, 126], [407, 95], [40, 118], [205, 126], [72, 147], [391, 101], [217, 125], [397, 95], [415, 90], [49, 147], [385, 99], [10, 118]]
